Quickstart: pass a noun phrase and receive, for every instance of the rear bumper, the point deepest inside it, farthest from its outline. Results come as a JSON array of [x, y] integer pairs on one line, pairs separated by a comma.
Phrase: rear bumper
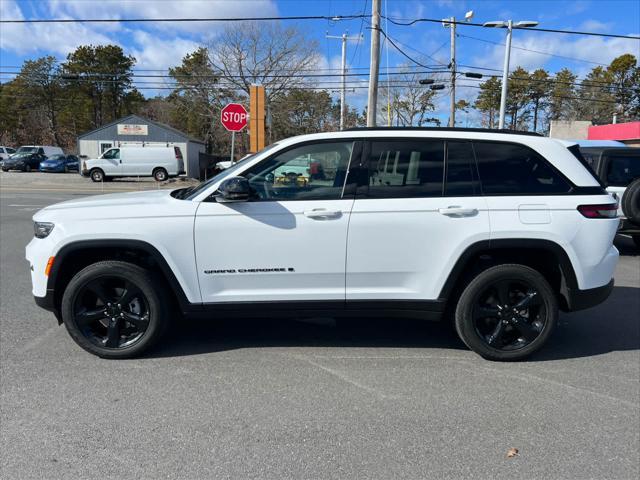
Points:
[[582, 299]]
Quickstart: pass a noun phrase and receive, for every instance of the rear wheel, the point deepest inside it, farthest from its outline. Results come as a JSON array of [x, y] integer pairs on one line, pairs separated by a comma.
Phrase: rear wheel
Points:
[[506, 312], [160, 174], [97, 175], [27, 168], [114, 309]]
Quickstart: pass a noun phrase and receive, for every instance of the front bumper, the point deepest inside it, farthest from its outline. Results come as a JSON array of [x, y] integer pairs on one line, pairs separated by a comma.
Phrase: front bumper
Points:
[[582, 299], [48, 303]]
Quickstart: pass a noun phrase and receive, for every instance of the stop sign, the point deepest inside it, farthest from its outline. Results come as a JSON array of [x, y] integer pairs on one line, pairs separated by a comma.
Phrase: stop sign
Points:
[[234, 117]]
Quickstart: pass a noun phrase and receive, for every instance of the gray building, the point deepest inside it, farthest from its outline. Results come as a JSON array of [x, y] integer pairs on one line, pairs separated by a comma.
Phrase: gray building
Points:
[[136, 130]]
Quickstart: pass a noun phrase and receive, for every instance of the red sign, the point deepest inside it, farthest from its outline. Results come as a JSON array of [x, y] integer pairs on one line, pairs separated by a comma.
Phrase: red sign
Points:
[[234, 117]]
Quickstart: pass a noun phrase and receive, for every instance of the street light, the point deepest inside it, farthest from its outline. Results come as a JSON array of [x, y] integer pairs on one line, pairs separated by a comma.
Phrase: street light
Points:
[[509, 25]]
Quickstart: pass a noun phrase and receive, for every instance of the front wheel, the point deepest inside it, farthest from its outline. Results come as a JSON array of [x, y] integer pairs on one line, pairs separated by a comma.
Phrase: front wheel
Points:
[[27, 168], [114, 309], [507, 312], [97, 175]]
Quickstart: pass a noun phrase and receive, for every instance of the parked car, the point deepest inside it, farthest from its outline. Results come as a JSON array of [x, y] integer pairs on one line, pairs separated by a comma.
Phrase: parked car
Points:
[[23, 161], [46, 150], [619, 171], [60, 163], [159, 162], [6, 152], [496, 230]]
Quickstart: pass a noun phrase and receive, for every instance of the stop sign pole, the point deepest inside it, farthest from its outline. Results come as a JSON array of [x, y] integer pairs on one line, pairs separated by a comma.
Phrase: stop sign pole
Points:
[[234, 118]]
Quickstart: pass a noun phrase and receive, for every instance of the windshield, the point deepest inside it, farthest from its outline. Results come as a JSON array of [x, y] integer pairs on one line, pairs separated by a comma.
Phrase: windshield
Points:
[[229, 172], [21, 155], [57, 156]]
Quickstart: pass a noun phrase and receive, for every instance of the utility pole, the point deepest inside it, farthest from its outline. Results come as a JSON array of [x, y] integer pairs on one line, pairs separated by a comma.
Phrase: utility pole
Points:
[[374, 65], [343, 87], [452, 115]]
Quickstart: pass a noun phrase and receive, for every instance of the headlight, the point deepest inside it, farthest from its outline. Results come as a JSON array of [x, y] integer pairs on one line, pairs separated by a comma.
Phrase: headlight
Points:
[[42, 229]]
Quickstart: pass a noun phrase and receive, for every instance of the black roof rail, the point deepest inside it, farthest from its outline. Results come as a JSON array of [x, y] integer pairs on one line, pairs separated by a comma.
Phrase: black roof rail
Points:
[[447, 129]]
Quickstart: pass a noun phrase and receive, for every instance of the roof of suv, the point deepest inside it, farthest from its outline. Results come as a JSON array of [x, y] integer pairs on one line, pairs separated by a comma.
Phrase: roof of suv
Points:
[[445, 129]]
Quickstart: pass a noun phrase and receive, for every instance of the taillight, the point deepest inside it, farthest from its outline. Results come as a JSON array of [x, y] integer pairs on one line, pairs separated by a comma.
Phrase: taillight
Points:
[[607, 210]]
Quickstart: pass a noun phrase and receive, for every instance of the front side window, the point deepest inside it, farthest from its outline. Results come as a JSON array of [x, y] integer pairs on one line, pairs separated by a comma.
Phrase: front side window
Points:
[[406, 168], [513, 169], [310, 172], [623, 169], [112, 154]]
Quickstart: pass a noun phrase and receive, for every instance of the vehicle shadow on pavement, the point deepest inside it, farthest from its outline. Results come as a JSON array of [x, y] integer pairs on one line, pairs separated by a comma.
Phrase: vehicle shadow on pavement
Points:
[[207, 336], [626, 247], [611, 326]]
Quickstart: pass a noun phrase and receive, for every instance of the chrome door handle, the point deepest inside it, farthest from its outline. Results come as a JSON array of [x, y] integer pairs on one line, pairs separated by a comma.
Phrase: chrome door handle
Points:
[[322, 213], [457, 211]]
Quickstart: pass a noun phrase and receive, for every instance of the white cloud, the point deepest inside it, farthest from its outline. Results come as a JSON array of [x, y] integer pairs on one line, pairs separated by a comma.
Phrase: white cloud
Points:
[[155, 52], [167, 9], [593, 49], [53, 38]]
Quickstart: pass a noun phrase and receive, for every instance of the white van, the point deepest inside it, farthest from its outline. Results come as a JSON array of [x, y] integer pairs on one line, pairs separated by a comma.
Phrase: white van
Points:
[[159, 162], [46, 150]]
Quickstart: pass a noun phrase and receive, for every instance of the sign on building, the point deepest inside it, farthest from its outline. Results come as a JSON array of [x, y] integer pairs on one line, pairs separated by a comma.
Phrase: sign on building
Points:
[[129, 129]]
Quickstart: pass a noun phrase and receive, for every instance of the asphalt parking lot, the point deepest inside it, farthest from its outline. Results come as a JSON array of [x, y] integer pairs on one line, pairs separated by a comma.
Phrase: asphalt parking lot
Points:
[[283, 399]]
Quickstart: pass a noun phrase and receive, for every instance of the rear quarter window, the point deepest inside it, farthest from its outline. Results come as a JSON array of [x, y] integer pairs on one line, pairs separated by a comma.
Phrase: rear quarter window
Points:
[[515, 169]]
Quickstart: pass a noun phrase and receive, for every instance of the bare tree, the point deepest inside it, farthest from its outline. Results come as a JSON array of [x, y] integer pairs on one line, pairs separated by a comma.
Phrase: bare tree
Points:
[[267, 54], [407, 101]]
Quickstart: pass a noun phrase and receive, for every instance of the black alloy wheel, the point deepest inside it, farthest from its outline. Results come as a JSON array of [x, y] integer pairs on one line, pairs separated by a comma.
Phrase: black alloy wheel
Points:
[[115, 309], [507, 312], [111, 312]]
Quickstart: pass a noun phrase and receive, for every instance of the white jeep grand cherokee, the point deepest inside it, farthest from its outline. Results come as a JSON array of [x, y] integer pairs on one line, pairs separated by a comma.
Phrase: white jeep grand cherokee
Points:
[[495, 230]]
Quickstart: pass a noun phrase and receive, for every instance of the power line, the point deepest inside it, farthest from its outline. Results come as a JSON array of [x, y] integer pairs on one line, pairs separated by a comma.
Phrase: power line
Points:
[[334, 18], [403, 52], [534, 51], [535, 29]]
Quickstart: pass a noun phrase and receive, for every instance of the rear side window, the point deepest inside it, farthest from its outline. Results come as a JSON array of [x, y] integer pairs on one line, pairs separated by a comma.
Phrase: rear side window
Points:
[[462, 179], [623, 169], [406, 168], [513, 169]]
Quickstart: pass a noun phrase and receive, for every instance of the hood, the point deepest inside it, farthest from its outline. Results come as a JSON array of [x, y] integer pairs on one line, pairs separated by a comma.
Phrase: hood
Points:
[[113, 200]]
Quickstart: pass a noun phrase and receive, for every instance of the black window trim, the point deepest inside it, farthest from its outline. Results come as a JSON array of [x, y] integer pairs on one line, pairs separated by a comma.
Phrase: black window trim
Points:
[[573, 188], [346, 192]]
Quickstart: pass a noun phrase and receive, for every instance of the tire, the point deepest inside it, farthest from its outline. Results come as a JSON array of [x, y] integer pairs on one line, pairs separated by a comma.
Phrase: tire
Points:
[[497, 332], [27, 168], [5, 169], [125, 330], [160, 175], [631, 202], [636, 240], [97, 175]]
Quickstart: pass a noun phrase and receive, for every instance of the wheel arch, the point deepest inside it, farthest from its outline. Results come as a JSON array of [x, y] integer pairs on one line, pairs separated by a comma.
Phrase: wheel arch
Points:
[[545, 256], [73, 257]]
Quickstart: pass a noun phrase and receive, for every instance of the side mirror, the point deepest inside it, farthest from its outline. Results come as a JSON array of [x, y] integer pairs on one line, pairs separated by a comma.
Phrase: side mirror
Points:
[[234, 189]]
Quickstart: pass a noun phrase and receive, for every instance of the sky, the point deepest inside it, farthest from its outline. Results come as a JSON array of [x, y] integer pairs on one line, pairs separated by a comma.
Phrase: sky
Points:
[[162, 45]]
